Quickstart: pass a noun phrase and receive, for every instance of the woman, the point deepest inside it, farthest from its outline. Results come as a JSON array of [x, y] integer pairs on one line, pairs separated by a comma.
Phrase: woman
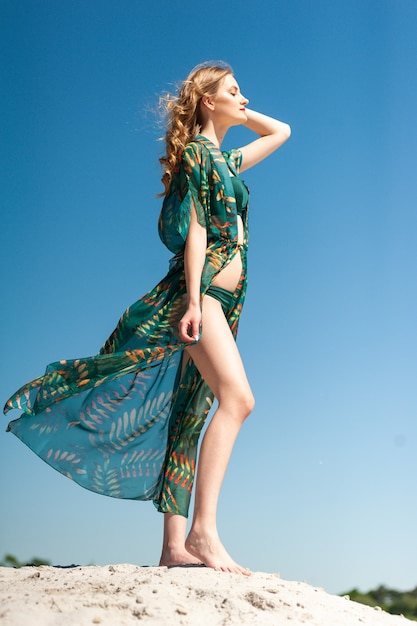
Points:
[[126, 422]]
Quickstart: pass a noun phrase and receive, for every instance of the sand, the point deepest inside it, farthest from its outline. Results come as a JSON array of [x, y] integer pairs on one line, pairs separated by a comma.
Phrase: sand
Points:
[[118, 595]]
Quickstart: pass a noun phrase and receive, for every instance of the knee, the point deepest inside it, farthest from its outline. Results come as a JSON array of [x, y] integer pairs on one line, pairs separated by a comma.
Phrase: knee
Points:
[[237, 403], [248, 405]]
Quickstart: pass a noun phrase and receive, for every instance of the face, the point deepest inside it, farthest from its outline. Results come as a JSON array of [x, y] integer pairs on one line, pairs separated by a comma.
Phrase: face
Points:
[[228, 105]]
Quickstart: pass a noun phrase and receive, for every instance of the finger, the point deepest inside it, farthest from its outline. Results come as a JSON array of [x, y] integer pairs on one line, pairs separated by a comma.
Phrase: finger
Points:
[[195, 331], [183, 331]]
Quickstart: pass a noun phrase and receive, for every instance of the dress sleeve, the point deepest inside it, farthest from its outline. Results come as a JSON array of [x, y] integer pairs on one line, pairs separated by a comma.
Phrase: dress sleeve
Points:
[[188, 191], [234, 159]]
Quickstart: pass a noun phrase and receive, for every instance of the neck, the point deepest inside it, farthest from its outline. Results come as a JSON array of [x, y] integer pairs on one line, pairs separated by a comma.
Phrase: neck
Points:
[[214, 132]]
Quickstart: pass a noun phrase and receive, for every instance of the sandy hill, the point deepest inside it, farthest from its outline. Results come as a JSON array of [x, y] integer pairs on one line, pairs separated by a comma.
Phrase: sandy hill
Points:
[[119, 595]]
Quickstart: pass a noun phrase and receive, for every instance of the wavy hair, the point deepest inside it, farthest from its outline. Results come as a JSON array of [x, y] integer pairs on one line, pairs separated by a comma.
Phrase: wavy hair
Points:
[[183, 114]]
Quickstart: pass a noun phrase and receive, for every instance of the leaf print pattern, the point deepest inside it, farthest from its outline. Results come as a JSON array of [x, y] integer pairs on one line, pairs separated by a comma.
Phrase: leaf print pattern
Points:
[[126, 423]]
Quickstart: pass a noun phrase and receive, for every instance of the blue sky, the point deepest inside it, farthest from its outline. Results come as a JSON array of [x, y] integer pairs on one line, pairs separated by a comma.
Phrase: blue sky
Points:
[[321, 486]]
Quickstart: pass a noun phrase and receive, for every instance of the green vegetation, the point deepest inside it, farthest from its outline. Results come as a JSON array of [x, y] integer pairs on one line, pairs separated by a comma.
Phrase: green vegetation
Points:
[[11, 561], [390, 600]]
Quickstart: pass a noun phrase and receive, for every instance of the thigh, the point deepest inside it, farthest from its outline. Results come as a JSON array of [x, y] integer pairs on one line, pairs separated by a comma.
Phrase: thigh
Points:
[[216, 355]]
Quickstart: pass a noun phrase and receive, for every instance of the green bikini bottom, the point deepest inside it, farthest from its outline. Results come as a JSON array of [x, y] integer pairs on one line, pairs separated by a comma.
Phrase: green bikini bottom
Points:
[[223, 296]]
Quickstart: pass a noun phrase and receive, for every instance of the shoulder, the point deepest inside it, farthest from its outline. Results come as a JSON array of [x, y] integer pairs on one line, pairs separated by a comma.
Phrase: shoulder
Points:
[[195, 152], [196, 160]]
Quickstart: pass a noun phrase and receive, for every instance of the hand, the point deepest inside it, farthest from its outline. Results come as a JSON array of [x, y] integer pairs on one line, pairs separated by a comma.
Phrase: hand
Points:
[[189, 325]]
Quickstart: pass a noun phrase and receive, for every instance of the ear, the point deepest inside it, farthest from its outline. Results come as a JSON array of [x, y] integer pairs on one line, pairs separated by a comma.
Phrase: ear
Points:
[[208, 103]]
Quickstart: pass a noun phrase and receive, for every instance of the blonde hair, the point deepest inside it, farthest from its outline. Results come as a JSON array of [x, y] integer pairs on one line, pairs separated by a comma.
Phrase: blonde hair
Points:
[[183, 114]]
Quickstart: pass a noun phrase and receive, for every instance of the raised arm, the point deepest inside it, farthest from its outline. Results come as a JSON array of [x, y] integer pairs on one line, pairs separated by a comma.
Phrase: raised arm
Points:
[[273, 134]]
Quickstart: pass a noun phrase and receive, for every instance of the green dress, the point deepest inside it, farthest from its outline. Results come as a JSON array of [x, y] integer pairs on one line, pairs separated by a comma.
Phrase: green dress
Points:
[[124, 423]]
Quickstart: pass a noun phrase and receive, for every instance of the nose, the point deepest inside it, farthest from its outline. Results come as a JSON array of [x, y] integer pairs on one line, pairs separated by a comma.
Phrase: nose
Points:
[[244, 100]]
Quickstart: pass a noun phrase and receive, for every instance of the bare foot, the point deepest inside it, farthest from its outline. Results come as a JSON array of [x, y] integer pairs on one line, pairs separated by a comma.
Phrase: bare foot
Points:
[[210, 550], [177, 556]]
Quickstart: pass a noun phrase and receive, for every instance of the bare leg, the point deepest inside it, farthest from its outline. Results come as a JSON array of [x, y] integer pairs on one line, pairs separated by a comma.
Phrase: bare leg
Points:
[[173, 548], [175, 526], [217, 358]]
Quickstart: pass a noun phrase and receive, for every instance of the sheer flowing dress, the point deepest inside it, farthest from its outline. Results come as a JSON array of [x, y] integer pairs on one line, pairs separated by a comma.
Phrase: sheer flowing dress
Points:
[[125, 422]]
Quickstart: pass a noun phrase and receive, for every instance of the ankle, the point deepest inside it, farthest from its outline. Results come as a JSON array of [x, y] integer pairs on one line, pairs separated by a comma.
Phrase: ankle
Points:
[[204, 525], [202, 532], [173, 544]]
